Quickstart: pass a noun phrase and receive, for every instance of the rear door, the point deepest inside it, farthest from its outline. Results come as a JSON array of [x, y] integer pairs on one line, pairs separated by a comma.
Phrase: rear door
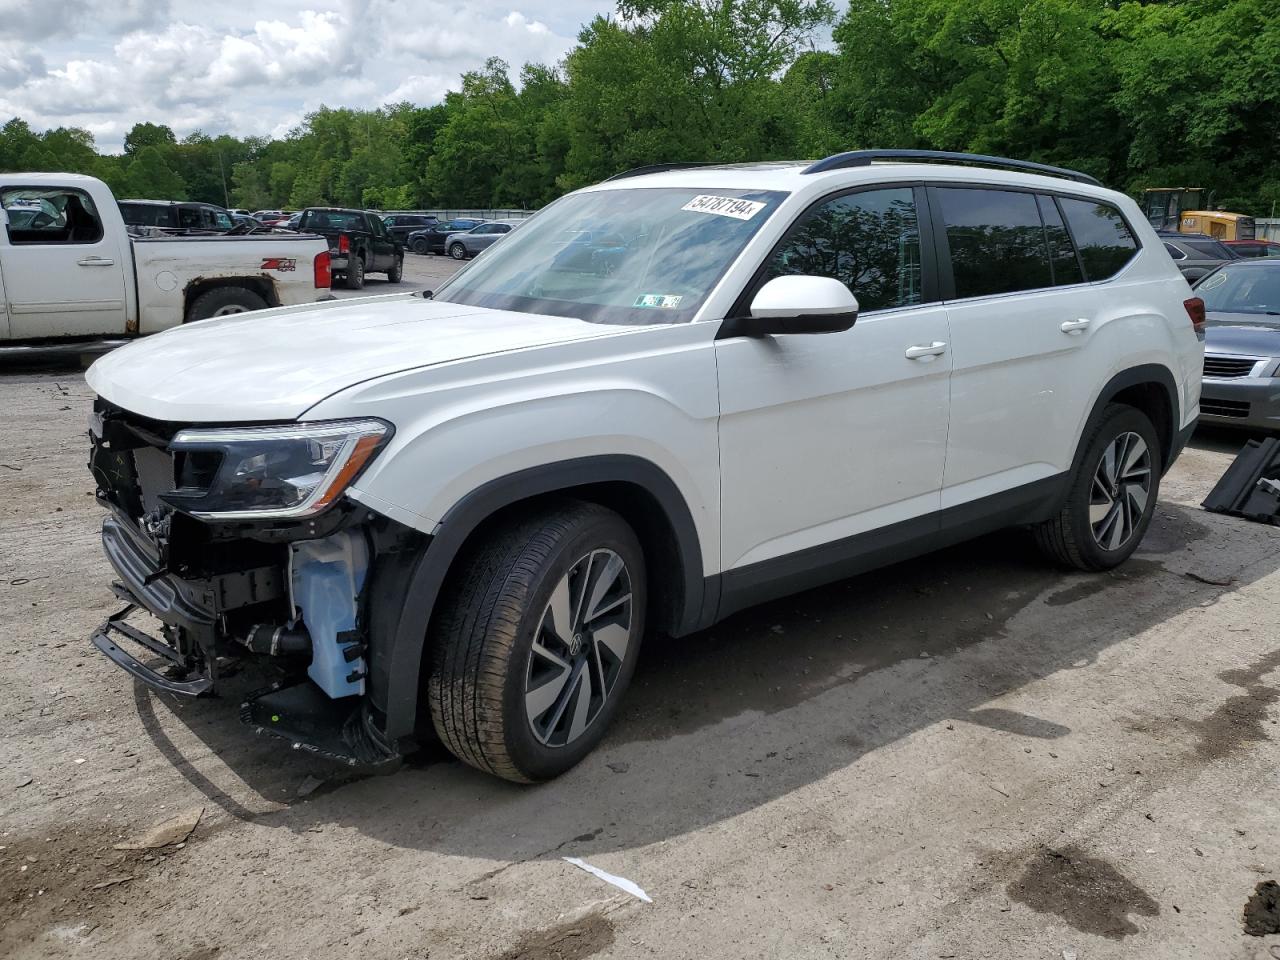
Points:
[[1023, 317], [64, 274]]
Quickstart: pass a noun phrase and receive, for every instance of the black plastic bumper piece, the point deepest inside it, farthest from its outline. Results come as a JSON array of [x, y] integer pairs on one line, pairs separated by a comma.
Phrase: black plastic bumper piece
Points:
[[115, 626], [310, 720], [1250, 488]]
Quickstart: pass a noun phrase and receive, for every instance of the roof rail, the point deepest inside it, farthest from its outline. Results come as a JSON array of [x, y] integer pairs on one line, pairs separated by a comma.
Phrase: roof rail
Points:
[[654, 168], [864, 158]]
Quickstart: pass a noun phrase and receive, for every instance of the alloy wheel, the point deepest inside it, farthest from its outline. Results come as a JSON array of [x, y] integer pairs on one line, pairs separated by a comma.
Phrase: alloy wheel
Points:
[[579, 648], [1121, 488]]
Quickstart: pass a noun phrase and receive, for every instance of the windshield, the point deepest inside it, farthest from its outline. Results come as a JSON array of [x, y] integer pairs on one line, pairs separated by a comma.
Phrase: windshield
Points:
[[1243, 289], [637, 256]]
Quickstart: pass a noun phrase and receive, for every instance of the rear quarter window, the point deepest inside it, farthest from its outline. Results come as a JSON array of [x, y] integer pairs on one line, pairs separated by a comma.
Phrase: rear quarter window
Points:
[[1102, 236]]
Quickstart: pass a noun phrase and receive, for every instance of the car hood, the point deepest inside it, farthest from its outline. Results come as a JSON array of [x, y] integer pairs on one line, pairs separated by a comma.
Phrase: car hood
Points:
[[276, 364], [1243, 333]]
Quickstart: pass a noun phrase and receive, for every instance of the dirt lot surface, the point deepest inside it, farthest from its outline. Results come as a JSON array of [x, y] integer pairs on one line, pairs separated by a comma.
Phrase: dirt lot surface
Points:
[[969, 755]]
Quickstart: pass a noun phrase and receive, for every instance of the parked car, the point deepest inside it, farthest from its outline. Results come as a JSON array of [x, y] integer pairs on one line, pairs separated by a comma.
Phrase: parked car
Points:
[[400, 225], [1196, 256], [460, 246], [359, 243], [1253, 248], [271, 215], [292, 223], [73, 271], [432, 239], [1242, 345], [172, 215], [458, 517]]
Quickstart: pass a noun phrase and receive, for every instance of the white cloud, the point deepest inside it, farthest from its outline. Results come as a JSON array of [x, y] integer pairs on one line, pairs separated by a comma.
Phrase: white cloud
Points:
[[253, 69]]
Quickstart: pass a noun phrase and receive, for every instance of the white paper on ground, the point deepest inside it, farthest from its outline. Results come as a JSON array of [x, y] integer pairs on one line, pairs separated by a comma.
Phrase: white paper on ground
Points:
[[622, 883]]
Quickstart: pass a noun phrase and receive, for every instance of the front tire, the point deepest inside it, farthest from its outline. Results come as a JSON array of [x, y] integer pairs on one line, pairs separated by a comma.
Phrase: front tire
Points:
[[458, 252], [1112, 495], [355, 273], [537, 638]]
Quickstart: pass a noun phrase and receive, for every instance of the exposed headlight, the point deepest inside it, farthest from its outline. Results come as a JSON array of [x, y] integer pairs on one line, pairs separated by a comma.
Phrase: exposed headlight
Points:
[[265, 473]]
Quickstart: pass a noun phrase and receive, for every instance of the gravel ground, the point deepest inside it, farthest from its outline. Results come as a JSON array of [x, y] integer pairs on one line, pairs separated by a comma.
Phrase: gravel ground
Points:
[[968, 755]]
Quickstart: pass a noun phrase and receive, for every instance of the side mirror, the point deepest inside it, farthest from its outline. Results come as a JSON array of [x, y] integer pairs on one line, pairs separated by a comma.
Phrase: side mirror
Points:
[[796, 304]]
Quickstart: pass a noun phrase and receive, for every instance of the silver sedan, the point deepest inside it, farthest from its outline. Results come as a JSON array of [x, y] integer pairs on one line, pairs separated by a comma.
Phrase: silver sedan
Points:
[[460, 246]]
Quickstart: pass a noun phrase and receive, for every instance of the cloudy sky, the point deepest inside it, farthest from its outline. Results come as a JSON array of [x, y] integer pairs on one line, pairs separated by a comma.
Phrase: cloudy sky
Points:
[[255, 67]]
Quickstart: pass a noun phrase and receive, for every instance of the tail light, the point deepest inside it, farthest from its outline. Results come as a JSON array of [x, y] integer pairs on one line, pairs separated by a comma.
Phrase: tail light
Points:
[[344, 243], [324, 276], [1195, 310]]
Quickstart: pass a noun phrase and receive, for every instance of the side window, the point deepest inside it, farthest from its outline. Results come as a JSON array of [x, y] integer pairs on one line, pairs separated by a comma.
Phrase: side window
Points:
[[1175, 252], [222, 220], [869, 241], [1102, 237], [42, 215], [502, 228], [1062, 252], [997, 241], [189, 217]]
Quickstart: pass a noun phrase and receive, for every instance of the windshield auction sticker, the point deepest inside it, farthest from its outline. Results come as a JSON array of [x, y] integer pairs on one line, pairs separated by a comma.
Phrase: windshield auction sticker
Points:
[[661, 301], [724, 206]]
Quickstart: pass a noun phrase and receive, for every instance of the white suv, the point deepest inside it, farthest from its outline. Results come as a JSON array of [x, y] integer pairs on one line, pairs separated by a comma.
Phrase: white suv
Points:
[[665, 398]]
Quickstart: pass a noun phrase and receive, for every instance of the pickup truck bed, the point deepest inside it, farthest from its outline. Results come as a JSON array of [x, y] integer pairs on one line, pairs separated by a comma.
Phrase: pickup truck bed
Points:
[[71, 271]]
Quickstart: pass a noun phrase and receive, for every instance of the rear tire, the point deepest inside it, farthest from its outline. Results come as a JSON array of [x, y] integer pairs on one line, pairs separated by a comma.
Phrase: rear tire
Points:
[[396, 273], [419, 247], [1112, 496], [222, 302], [355, 273], [536, 640]]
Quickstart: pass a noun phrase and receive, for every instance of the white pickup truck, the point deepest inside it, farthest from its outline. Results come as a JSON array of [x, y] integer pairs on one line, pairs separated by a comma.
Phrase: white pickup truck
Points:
[[69, 270]]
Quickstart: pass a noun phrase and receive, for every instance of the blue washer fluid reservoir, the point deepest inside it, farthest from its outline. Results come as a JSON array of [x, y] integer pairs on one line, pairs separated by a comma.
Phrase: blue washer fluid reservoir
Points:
[[326, 577]]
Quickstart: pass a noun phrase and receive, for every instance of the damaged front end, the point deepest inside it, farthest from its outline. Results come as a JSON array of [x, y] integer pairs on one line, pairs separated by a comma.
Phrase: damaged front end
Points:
[[239, 543]]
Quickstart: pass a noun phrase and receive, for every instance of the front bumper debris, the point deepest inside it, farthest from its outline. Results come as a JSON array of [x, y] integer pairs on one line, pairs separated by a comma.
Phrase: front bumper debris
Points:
[[104, 638], [339, 730]]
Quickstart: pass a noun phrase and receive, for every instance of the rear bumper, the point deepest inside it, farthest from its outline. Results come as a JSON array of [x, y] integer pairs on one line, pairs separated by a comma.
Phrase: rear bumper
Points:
[[1249, 402], [337, 264]]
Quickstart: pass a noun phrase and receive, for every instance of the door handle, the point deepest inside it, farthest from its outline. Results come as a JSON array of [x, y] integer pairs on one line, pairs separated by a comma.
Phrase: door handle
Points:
[[935, 349], [96, 262], [1075, 326]]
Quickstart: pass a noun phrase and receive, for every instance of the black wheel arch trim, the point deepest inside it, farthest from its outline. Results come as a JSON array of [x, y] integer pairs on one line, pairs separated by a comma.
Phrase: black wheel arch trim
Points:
[[396, 679], [1133, 377]]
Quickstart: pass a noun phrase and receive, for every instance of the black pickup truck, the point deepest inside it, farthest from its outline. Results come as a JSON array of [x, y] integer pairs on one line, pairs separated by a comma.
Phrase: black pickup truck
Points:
[[359, 243]]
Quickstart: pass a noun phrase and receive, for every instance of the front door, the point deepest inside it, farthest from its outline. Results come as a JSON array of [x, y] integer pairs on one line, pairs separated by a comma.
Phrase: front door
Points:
[[63, 273], [827, 436]]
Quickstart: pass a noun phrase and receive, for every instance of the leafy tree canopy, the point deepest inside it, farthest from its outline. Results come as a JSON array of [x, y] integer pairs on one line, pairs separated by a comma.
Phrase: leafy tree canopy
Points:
[[1172, 93]]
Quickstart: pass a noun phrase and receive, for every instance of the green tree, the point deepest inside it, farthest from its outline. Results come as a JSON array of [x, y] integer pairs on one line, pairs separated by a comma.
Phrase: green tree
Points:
[[143, 135], [249, 188], [150, 178]]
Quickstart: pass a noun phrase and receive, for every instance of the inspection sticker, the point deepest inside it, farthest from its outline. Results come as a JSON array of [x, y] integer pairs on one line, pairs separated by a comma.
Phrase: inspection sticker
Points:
[[724, 206], [661, 301]]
